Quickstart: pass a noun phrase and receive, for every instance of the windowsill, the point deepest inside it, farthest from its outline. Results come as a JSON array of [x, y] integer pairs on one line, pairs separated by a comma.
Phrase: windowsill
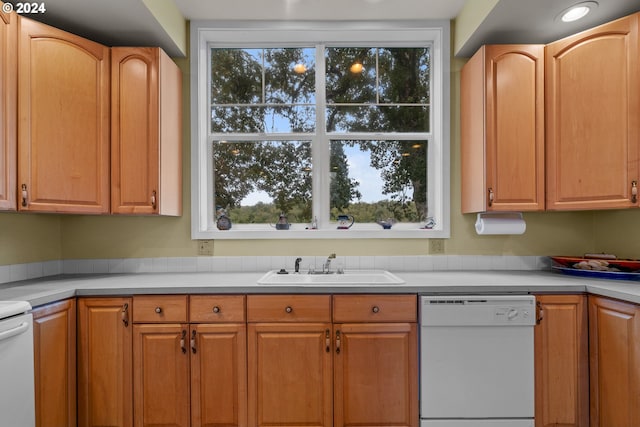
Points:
[[298, 231]]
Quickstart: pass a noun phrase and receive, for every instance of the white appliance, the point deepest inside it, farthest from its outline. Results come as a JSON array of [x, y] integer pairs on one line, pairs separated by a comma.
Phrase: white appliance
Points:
[[476, 361], [17, 407]]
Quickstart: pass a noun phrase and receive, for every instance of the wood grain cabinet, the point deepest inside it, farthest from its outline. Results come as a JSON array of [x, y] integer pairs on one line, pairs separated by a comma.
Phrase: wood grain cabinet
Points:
[[146, 132], [8, 109], [561, 361], [502, 129], [614, 354], [105, 375], [189, 374], [54, 333], [218, 339], [63, 121], [375, 360], [592, 107], [290, 360], [353, 365]]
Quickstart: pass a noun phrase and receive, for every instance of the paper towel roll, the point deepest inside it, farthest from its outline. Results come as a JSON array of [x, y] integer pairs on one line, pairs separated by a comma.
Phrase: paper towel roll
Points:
[[511, 223]]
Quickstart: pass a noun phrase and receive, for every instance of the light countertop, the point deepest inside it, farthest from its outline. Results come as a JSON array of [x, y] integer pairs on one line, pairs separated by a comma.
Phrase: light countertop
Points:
[[50, 289]]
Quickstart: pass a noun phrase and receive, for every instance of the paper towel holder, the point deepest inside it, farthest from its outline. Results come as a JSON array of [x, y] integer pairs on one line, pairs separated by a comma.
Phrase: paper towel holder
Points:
[[509, 223]]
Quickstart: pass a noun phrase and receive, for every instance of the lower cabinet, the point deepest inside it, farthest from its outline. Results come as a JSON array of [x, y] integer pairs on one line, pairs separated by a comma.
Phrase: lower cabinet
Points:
[[375, 360], [189, 374], [561, 361], [105, 379], [614, 354], [259, 360], [54, 334], [346, 360]]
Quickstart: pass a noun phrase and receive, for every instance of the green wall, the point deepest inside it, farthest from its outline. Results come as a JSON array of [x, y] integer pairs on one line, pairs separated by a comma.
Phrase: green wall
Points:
[[42, 237]]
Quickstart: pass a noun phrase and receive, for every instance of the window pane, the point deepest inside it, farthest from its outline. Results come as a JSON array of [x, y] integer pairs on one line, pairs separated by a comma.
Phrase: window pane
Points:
[[236, 76], [257, 180], [380, 118], [350, 75], [379, 180], [295, 118], [404, 75], [263, 90], [378, 89]]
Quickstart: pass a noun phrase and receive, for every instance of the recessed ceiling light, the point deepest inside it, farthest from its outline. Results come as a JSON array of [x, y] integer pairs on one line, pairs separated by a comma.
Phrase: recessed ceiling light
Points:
[[577, 11]]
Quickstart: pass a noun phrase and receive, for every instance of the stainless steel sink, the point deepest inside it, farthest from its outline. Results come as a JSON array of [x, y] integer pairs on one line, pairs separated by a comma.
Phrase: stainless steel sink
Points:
[[348, 278]]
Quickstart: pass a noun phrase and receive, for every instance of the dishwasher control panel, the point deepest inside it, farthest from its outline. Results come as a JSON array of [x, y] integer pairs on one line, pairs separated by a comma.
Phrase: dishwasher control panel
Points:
[[478, 310]]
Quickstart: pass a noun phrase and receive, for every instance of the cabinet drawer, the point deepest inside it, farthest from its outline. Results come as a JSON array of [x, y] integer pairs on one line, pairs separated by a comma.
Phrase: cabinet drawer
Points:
[[216, 308], [289, 308], [375, 308], [159, 308]]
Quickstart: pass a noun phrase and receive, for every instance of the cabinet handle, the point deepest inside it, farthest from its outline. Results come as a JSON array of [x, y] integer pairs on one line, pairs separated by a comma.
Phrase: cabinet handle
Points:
[[216, 309], [540, 312], [153, 199], [125, 314], [193, 341], [24, 195], [327, 336], [159, 310], [337, 342], [182, 338], [634, 191], [490, 191], [375, 309], [289, 309]]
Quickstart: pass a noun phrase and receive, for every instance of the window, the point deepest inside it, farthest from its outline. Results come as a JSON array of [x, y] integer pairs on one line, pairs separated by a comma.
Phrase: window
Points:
[[322, 129]]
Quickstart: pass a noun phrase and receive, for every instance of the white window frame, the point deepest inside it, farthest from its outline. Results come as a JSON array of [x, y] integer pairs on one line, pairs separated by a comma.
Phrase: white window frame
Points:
[[280, 34]]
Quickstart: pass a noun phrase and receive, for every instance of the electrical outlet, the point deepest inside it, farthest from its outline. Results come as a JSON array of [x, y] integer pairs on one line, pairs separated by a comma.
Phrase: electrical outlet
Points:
[[436, 246], [205, 247]]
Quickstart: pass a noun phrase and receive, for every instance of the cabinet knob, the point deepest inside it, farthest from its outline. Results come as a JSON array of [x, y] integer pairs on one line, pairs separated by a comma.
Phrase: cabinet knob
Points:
[[375, 309], [216, 309], [289, 309], [158, 310]]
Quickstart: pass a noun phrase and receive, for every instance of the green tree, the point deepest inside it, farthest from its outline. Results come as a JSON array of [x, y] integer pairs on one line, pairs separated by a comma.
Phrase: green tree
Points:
[[343, 190]]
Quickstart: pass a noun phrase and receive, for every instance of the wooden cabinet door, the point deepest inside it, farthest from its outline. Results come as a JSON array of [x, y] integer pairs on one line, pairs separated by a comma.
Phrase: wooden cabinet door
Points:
[[104, 363], [219, 375], [8, 109], [54, 334], [502, 129], [614, 354], [593, 106], [146, 132], [63, 131], [161, 375], [562, 361], [376, 374], [290, 374]]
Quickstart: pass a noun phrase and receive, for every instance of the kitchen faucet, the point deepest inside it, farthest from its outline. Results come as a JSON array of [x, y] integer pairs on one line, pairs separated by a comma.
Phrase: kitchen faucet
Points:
[[326, 268], [297, 265]]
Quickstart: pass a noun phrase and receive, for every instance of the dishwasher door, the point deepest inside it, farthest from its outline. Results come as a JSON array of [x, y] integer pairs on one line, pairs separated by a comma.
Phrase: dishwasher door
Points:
[[17, 407], [476, 361]]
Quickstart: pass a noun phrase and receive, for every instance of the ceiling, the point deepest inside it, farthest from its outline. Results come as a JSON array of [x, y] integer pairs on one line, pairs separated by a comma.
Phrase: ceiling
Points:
[[137, 22]]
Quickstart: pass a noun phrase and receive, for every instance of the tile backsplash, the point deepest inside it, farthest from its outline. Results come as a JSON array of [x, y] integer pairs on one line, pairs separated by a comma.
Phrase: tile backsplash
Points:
[[16, 272]]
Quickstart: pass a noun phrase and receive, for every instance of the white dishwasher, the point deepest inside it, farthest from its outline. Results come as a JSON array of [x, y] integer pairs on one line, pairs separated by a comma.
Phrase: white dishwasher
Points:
[[17, 407], [476, 361]]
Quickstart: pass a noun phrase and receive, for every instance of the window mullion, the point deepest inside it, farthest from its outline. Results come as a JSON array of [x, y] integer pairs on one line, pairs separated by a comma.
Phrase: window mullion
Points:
[[320, 150]]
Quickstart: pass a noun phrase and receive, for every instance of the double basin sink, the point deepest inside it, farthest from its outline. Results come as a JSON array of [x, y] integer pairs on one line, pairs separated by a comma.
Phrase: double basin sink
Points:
[[348, 278]]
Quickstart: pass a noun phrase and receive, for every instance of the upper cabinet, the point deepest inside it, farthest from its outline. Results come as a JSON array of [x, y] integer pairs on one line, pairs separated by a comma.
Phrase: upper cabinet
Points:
[[63, 124], [502, 129], [146, 132], [593, 118], [8, 106]]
